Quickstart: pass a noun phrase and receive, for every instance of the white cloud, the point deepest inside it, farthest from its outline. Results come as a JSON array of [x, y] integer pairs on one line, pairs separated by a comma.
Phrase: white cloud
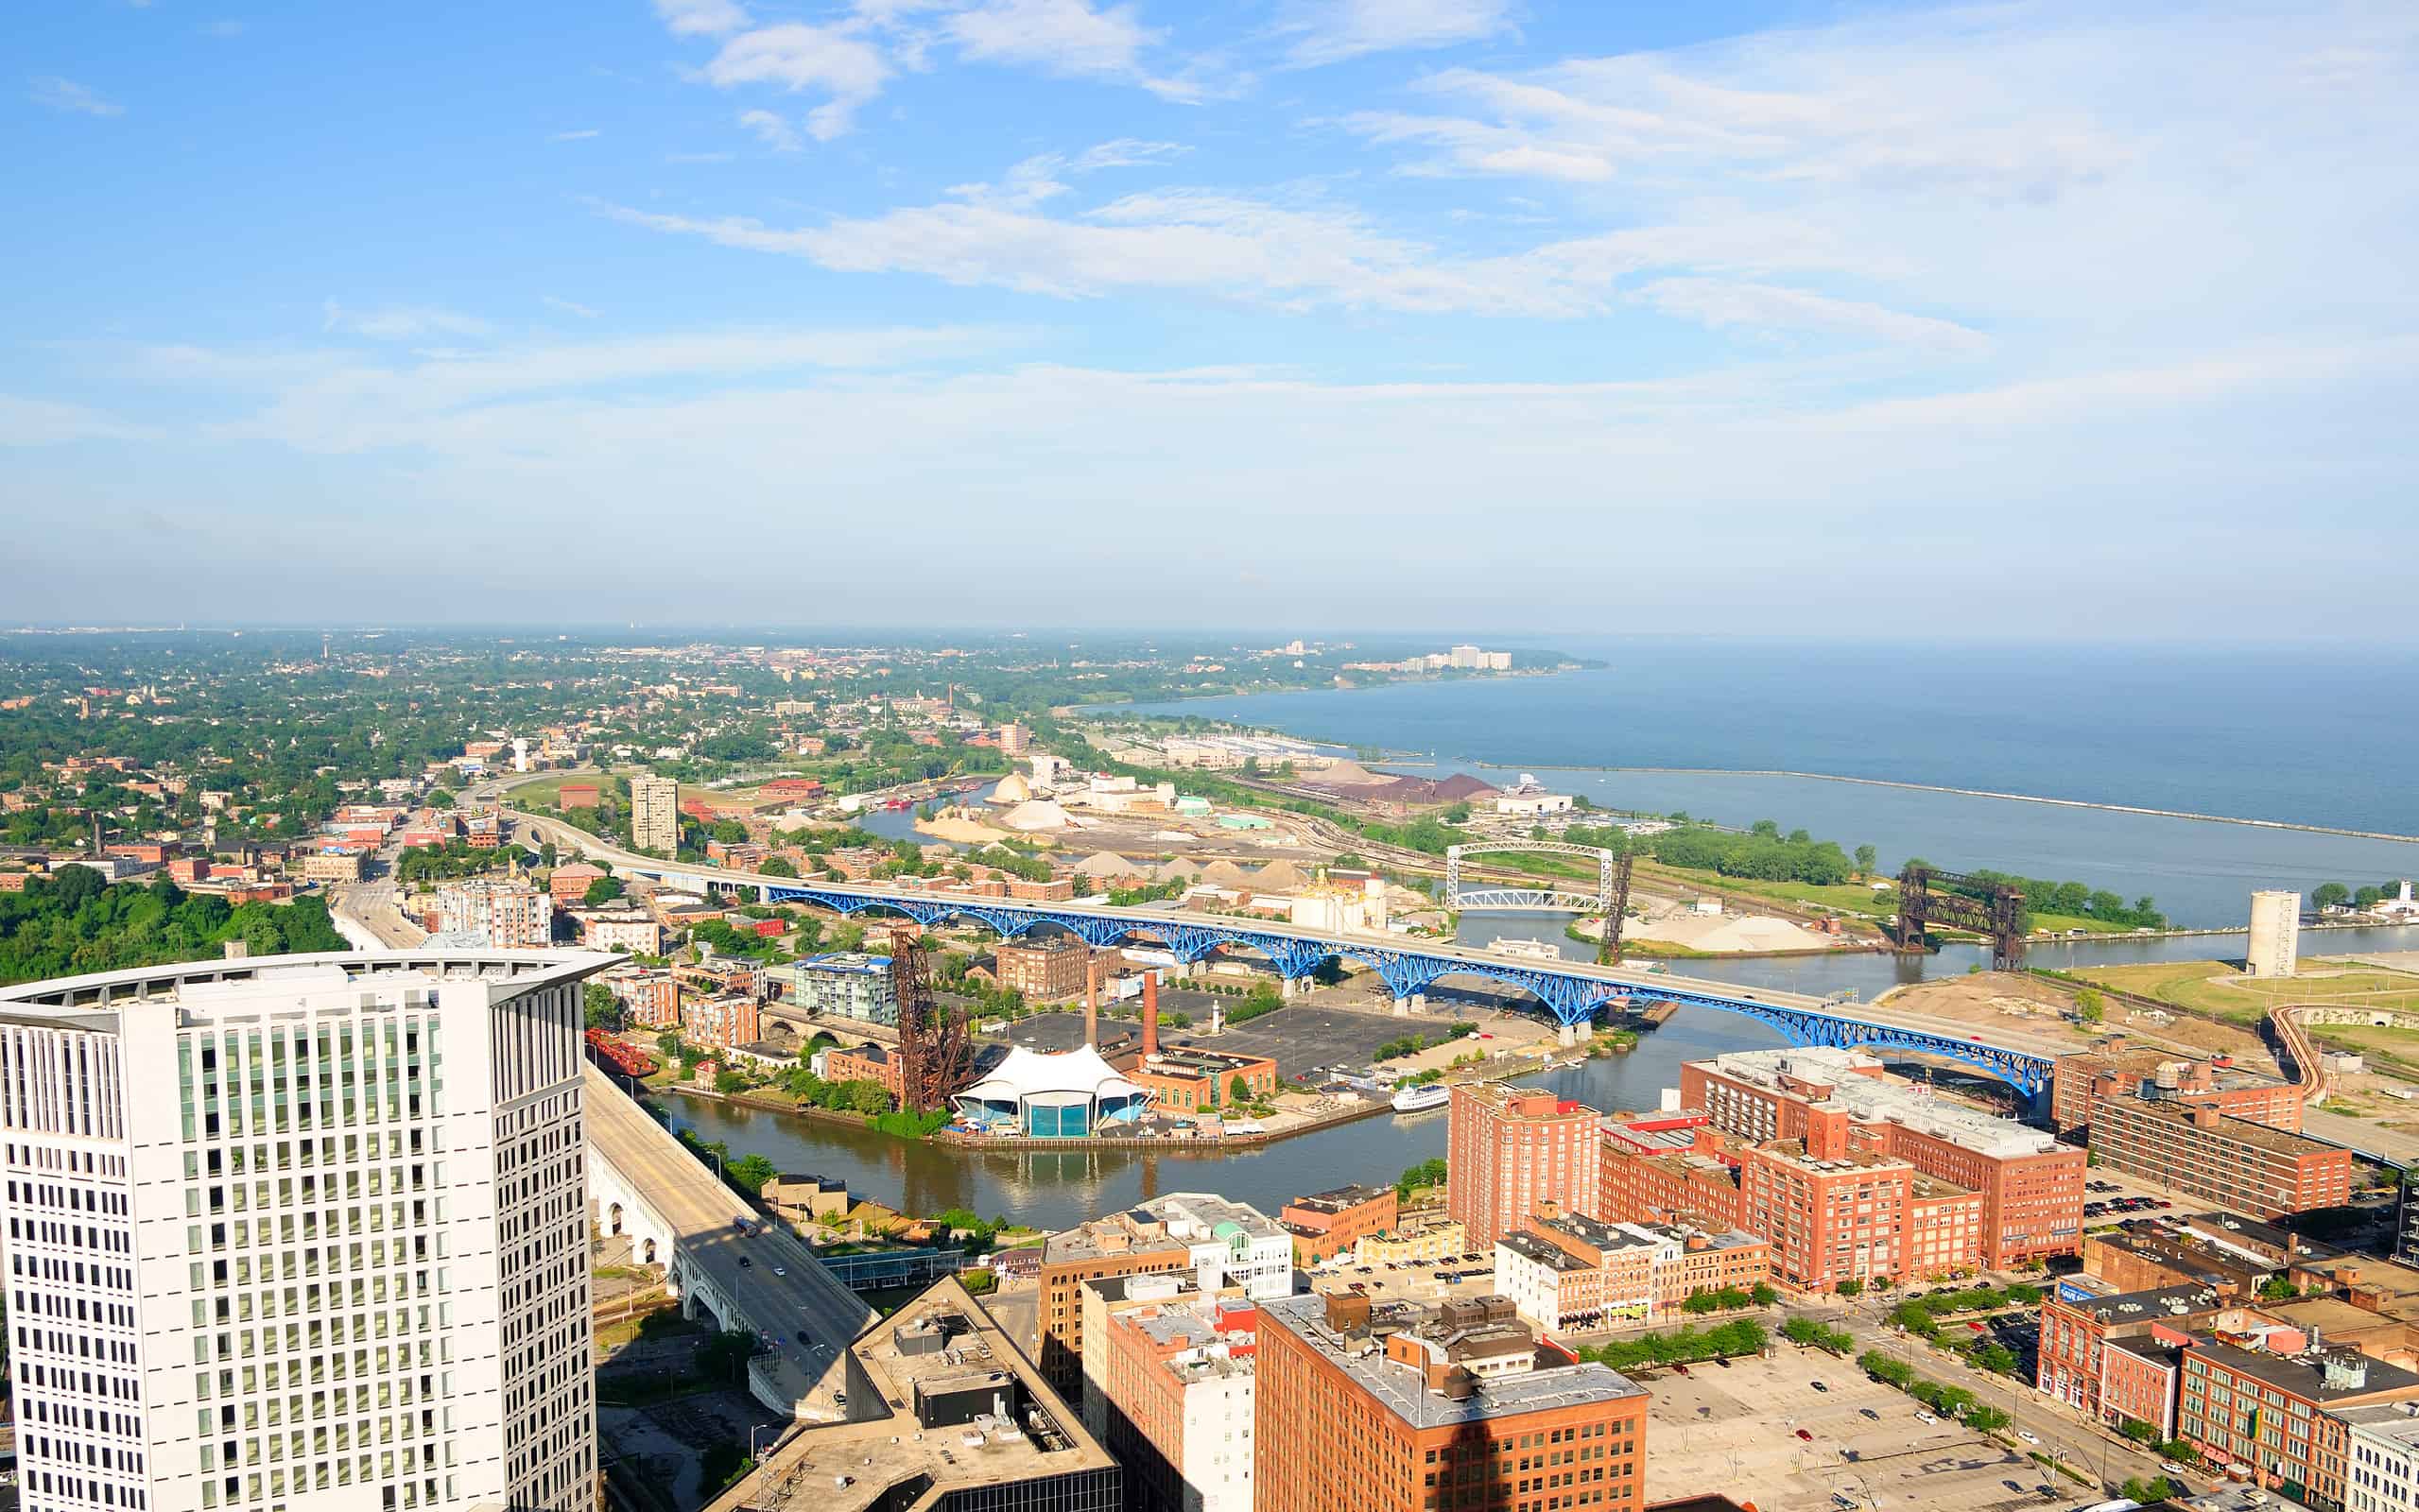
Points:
[[1064, 36], [66, 95], [1125, 152], [797, 56], [773, 130], [701, 18], [1723, 303], [1329, 31], [50, 422], [399, 322], [585, 135], [567, 307]]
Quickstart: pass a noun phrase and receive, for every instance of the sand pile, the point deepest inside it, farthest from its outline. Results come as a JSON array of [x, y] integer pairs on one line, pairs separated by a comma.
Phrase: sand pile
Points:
[[1729, 933]]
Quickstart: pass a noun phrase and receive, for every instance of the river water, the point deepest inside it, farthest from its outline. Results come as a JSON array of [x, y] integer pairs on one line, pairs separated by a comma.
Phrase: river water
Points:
[[1057, 1189]]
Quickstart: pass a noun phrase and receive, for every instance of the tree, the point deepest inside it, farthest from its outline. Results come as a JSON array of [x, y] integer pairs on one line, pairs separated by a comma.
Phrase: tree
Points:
[[1851, 1287], [602, 890], [1764, 829], [668, 1045], [1425, 1173], [2368, 896], [2329, 895], [603, 1009], [778, 866], [2090, 1005], [441, 800], [749, 1173], [1867, 857], [1765, 1293], [2139, 1431], [1238, 1091], [728, 1082]]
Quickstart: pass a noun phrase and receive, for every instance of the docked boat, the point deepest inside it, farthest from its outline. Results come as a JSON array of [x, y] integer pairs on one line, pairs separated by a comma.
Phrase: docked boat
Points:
[[1420, 1099]]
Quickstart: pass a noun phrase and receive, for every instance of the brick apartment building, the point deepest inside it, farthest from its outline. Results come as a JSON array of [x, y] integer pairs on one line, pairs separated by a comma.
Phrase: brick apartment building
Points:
[[569, 882], [721, 1022], [2198, 1149], [2119, 1356], [2268, 1402], [513, 914], [1446, 1410], [1176, 1397], [1044, 970], [2031, 1186], [1186, 1079], [1325, 1224], [863, 1062], [649, 996], [2120, 1069], [1511, 1151]]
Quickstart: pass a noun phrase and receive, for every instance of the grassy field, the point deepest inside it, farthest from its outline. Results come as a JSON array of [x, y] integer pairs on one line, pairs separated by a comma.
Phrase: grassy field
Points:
[[545, 790], [2397, 1048], [2215, 987], [1853, 898]]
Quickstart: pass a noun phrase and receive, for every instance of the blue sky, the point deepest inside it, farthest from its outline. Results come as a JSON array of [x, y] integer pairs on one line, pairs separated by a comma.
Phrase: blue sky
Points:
[[2075, 320]]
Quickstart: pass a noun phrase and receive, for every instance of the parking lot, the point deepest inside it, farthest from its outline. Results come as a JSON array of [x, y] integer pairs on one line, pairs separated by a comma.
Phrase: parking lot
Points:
[[1738, 1427]]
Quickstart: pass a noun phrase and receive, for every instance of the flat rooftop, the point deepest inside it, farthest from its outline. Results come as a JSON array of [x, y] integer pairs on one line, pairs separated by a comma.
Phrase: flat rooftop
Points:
[[1402, 1390], [942, 1345], [272, 984], [2147, 1306], [1338, 1200], [1885, 1100], [2303, 1374], [2240, 1130], [1175, 1222]]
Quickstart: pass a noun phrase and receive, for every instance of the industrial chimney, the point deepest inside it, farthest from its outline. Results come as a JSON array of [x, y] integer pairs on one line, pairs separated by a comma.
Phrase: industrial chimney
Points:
[[1091, 1001], [1150, 1013]]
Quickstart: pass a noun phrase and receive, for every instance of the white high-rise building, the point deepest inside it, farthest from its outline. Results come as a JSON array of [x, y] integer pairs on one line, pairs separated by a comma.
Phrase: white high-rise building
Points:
[[656, 814], [300, 1235]]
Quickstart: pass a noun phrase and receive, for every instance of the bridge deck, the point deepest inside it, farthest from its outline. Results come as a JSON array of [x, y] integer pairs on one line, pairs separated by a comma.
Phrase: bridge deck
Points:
[[1571, 989], [700, 1210]]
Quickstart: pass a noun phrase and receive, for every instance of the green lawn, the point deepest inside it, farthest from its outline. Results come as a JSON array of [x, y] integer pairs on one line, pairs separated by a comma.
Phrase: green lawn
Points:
[[2216, 988]]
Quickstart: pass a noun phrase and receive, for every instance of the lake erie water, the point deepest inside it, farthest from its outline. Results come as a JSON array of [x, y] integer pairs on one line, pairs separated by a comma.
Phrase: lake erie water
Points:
[[2246, 734]]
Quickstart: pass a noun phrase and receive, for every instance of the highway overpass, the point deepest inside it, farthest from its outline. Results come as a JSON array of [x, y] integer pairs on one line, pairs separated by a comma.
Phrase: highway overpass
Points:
[[1572, 991], [643, 1183]]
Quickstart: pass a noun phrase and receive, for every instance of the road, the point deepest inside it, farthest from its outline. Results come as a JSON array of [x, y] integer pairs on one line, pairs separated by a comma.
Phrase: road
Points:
[[2078, 1440], [783, 1289]]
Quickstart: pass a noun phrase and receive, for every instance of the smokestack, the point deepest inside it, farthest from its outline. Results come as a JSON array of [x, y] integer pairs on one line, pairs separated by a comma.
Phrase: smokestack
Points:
[[1150, 1013], [1091, 1001]]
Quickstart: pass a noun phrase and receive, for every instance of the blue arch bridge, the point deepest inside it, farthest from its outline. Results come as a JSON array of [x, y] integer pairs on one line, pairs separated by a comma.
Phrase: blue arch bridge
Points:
[[1572, 991]]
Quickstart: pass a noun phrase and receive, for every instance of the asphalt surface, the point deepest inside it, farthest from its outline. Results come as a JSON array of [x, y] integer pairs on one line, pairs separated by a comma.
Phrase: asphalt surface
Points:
[[783, 1289]]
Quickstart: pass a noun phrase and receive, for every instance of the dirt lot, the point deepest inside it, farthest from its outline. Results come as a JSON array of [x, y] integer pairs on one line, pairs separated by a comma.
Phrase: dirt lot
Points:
[[2027, 1004], [1736, 1429]]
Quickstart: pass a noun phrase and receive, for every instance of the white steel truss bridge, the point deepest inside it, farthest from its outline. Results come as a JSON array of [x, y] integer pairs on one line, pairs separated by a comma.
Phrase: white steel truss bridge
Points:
[[1544, 893]]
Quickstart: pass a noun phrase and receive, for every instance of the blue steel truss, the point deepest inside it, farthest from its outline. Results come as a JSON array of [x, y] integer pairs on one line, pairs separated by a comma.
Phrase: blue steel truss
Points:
[[1570, 996]]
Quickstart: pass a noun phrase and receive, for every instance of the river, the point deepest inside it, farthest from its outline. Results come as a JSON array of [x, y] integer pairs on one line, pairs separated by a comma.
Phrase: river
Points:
[[1055, 1188]]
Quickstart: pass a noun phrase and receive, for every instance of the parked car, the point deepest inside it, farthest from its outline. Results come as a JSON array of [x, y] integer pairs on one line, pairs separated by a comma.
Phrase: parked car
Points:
[[1802, 1434], [1820, 1387], [1927, 1417], [2027, 1436]]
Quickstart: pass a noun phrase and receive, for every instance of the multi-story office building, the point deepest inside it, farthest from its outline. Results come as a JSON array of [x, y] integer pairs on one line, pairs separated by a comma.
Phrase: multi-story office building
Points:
[[2117, 1071], [1327, 1224], [950, 1418], [1402, 1409], [1571, 1272], [1044, 970], [2384, 1475], [649, 996], [633, 929], [1511, 1152], [2031, 1186], [1221, 1243], [840, 985], [302, 1234], [722, 1023], [2194, 1149], [1176, 1393], [506, 912], [2118, 1357], [655, 814], [2271, 1404]]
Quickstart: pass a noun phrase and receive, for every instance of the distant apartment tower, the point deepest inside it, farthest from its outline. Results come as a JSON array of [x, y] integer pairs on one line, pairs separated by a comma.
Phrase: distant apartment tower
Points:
[[656, 814], [2276, 933], [1511, 1152], [509, 914], [1453, 1409], [305, 1235]]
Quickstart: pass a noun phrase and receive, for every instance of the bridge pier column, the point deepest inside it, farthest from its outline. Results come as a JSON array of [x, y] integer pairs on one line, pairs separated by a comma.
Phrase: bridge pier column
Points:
[[1402, 1007], [1570, 1035], [1418, 1002]]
